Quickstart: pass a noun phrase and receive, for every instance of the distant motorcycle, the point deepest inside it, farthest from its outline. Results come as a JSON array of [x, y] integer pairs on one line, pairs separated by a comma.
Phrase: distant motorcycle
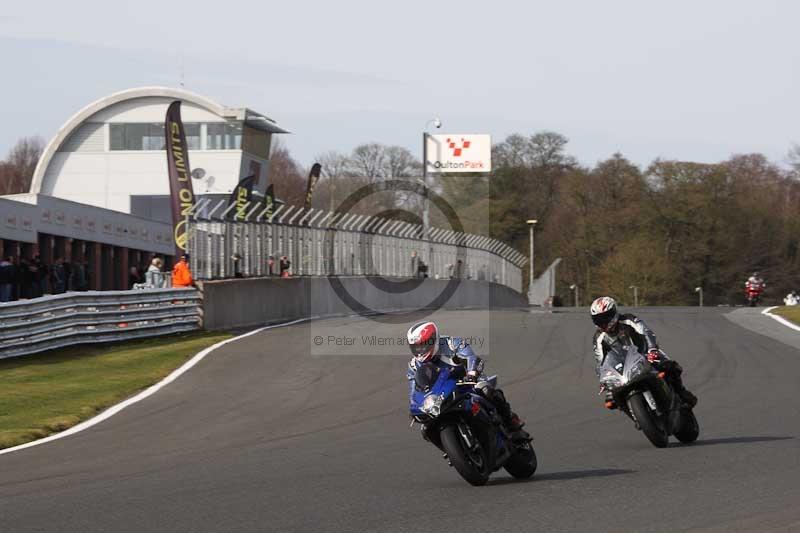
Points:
[[753, 294], [642, 393], [460, 421]]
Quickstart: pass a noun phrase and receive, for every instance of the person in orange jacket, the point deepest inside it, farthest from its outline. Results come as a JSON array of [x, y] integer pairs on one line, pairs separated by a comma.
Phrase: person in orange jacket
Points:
[[181, 275]]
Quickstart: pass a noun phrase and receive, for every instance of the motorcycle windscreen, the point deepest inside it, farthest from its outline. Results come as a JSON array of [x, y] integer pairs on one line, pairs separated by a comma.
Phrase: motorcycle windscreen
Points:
[[614, 361], [425, 377]]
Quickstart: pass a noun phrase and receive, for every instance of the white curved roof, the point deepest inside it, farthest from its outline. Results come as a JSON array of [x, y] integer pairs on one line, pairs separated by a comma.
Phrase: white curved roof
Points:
[[142, 92]]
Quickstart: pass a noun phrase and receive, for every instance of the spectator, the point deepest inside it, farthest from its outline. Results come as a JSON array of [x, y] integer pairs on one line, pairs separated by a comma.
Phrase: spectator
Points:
[[8, 274], [39, 274], [134, 277], [58, 276], [181, 275], [24, 279], [459, 270], [77, 277], [422, 269], [237, 266], [67, 275], [154, 278], [284, 265], [271, 265], [414, 263]]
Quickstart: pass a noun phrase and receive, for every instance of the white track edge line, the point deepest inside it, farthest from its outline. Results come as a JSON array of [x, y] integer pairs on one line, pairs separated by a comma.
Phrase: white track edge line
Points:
[[175, 374], [780, 318]]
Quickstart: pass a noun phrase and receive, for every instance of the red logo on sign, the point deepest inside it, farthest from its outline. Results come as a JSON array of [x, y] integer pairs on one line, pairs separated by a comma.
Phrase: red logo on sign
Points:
[[458, 149]]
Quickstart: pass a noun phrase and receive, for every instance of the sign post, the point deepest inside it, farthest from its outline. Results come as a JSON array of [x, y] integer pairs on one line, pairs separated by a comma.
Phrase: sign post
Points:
[[451, 153]]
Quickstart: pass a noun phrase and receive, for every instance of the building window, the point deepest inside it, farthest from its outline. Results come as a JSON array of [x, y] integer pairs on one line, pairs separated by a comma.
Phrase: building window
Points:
[[224, 136], [153, 138], [192, 132], [149, 136]]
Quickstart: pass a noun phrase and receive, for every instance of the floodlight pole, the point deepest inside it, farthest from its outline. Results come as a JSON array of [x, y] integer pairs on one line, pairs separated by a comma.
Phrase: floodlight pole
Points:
[[426, 223], [576, 290], [531, 223], [635, 295]]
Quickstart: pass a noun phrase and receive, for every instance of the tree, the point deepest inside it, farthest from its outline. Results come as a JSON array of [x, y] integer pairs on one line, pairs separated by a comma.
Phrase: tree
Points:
[[17, 170], [401, 163], [369, 161], [336, 172], [287, 176], [794, 158]]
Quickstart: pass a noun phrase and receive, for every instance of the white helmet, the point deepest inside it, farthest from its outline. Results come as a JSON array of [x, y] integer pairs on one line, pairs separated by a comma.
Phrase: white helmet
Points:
[[423, 339], [604, 313]]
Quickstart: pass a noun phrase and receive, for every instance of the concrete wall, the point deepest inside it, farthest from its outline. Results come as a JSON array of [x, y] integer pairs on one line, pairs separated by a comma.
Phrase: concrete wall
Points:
[[253, 302]]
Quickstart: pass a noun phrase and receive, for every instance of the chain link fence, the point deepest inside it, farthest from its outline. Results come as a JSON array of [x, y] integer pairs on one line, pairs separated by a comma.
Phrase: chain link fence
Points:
[[323, 243]]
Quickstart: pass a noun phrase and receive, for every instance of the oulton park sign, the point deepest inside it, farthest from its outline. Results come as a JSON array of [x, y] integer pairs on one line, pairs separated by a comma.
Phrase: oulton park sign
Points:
[[458, 153]]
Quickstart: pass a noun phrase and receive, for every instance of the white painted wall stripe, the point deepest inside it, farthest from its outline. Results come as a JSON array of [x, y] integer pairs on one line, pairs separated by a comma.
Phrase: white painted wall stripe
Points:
[[780, 319], [111, 411]]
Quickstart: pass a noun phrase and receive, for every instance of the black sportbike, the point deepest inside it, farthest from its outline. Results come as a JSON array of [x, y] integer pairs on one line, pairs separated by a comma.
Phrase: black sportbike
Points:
[[645, 395]]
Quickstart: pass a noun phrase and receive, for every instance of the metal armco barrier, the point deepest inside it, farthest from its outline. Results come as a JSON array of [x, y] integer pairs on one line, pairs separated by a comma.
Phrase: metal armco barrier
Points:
[[31, 326], [322, 243]]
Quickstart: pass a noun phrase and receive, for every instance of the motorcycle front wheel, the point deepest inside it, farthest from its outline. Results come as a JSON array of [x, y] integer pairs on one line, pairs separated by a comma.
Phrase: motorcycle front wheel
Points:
[[690, 429], [650, 426], [472, 464], [522, 463]]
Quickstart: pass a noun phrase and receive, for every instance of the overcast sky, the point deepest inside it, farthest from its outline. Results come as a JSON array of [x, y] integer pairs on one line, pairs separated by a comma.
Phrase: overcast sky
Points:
[[684, 79]]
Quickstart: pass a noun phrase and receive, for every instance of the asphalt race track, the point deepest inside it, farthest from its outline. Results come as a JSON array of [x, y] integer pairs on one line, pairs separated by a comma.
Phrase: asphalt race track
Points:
[[277, 433]]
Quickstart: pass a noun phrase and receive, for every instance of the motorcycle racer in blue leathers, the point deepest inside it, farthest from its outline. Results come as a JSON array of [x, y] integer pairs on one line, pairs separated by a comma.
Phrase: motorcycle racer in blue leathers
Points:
[[428, 347]]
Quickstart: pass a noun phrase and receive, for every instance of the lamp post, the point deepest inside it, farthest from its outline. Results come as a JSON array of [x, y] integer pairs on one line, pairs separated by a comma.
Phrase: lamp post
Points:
[[425, 203], [531, 223], [576, 290], [699, 290], [635, 295]]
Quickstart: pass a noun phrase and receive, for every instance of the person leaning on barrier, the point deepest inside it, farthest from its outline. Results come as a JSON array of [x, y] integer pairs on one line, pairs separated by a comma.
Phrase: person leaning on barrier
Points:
[[154, 278], [134, 278], [181, 275]]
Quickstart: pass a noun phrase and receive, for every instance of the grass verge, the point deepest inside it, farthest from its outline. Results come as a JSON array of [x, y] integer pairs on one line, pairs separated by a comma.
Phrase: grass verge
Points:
[[791, 313], [47, 393]]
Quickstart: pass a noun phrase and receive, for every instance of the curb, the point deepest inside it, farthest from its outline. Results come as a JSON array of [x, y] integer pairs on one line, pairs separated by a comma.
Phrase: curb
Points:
[[780, 319]]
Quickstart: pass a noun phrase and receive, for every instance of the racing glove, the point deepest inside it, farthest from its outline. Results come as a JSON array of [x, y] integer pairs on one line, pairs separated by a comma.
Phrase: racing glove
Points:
[[653, 356]]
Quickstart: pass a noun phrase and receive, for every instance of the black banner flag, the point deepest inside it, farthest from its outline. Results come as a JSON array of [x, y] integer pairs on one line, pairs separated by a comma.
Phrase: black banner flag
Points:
[[241, 196], [313, 177], [180, 181], [269, 201]]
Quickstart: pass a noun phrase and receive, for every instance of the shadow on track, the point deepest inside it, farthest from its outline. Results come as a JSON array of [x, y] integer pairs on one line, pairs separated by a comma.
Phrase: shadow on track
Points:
[[728, 440], [563, 476]]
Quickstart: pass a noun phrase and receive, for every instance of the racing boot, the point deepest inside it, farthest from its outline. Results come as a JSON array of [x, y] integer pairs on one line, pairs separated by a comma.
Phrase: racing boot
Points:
[[674, 372], [511, 420], [687, 397]]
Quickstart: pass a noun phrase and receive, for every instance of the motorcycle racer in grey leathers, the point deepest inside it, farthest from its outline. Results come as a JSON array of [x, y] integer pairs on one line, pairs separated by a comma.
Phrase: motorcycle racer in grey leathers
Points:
[[627, 329]]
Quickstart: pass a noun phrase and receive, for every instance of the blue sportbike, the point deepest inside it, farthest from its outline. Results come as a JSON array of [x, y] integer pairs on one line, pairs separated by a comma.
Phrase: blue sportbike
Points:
[[460, 421]]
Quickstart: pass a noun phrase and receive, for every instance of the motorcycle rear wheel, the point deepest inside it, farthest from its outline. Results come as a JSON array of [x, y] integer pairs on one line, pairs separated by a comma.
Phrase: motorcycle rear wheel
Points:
[[650, 426], [522, 463], [475, 472]]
